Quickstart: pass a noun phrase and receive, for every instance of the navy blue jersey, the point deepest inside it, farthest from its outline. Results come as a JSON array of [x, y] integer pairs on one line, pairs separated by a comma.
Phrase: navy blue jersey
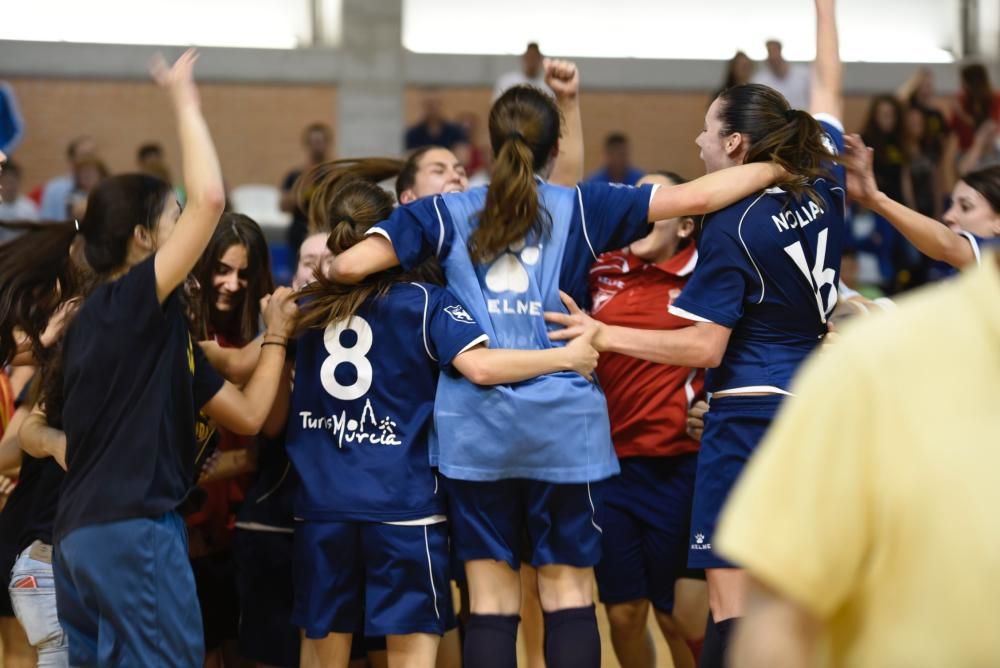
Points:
[[554, 427], [363, 404], [133, 383], [768, 268]]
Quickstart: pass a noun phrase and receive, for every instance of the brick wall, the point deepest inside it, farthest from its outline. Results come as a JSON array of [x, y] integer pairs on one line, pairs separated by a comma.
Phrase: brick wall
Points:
[[662, 126], [257, 126]]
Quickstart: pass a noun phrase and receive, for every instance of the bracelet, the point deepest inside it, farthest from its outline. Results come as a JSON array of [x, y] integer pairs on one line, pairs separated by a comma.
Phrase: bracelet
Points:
[[274, 343]]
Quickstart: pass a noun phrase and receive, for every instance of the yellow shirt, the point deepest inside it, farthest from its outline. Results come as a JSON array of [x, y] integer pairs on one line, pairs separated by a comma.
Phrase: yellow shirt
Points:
[[874, 502]]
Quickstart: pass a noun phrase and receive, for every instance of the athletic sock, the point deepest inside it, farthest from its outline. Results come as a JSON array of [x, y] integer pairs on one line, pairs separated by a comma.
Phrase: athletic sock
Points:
[[491, 641], [717, 637], [572, 639]]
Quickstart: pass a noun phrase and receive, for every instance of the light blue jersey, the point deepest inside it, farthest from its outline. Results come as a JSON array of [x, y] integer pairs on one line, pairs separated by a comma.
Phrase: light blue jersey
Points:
[[553, 428]]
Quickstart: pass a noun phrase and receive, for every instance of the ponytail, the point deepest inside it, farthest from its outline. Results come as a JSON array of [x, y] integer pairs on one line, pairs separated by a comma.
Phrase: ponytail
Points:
[[317, 189], [346, 199], [512, 208], [798, 148], [524, 129], [36, 275], [789, 137]]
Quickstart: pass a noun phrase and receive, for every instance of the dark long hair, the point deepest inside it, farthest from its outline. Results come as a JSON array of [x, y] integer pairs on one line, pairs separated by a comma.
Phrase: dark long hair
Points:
[[347, 193], [407, 175], [36, 271], [986, 182], [790, 137], [876, 137], [977, 98], [234, 229], [524, 130], [731, 79]]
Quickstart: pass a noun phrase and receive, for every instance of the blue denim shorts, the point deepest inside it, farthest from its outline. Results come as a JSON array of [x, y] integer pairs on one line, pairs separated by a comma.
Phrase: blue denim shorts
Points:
[[33, 595]]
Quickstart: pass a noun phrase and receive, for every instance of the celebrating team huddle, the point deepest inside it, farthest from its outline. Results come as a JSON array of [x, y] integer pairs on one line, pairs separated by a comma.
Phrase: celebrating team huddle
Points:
[[484, 389]]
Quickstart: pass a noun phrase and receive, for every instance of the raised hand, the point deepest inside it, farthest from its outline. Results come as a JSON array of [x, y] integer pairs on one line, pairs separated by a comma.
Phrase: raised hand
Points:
[[562, 77], [178, 79], [858, 158]]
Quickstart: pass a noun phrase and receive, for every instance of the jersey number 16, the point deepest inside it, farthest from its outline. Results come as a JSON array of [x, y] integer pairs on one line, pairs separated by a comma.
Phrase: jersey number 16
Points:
[[819, 275]]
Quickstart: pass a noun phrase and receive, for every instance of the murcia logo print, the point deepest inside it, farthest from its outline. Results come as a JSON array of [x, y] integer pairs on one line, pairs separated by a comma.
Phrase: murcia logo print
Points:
[[459, 314], [507, 274]]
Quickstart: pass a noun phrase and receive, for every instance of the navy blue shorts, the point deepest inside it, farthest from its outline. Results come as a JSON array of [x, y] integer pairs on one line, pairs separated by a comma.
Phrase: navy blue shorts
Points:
[[646, 520], [126, 595], [264, 562], [497, 519], [391, 578], [734, 426]]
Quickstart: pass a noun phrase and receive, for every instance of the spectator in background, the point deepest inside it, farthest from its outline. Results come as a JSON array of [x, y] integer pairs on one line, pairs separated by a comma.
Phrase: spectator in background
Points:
[[918, 93], [87, 175], [434, 129], [476, 153], [984, 151], [792, 80], [317, 140], [924, 182], [150, 159], [532, 73], [884, 133], [902, 266], [976, 104], [57, 191], [739, 71], [13, 204], [617, 167], [901, 569], [313, 255]]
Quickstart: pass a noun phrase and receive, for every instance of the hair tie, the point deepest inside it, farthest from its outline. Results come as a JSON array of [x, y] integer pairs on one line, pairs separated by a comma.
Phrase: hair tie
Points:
[[789, 115], [514, 134], [77, 224]]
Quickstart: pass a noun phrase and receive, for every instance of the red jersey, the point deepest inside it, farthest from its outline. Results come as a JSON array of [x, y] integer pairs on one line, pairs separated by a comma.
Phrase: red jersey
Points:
[[647, 402]]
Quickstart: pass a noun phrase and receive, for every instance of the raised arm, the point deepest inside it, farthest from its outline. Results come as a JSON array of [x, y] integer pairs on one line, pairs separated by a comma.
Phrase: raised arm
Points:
[[713, 191], [930, 237], [826, 96], [563, 78], [206, 195]]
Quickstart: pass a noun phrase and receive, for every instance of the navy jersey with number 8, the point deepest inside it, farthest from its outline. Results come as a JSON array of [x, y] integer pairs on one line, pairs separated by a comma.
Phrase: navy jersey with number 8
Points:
[[363, 404]]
